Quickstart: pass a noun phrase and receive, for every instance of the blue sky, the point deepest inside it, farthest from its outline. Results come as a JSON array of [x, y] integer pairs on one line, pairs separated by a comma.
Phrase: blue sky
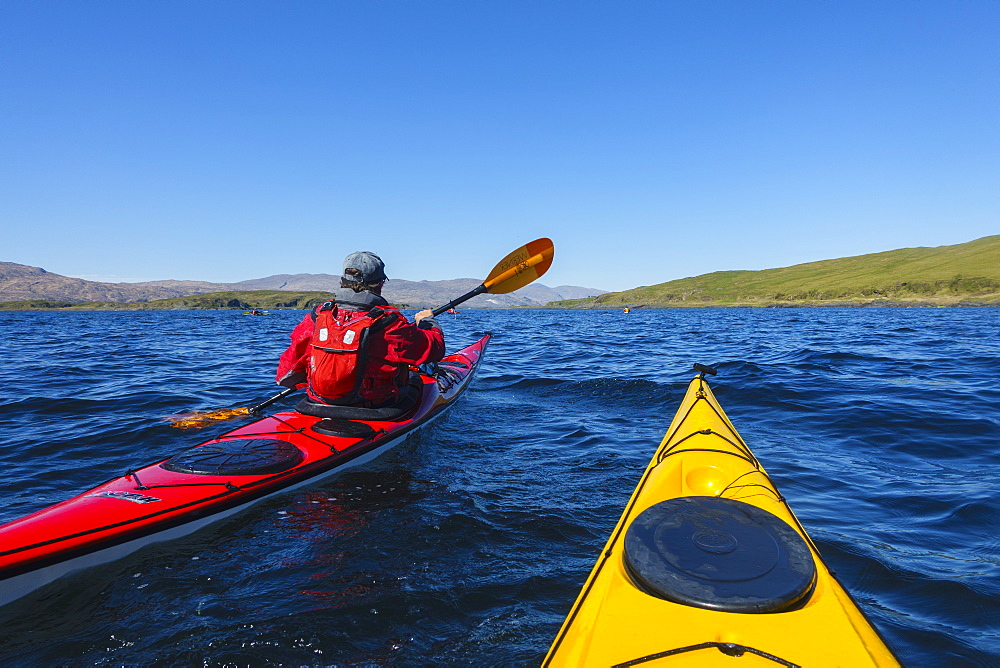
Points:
[[224, 141]]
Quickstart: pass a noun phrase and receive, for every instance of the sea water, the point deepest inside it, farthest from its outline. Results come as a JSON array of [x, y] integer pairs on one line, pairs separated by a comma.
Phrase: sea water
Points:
[[467, 545]]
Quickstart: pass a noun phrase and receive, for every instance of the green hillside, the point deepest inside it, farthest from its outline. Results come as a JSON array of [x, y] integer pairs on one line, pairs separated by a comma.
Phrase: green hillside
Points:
[[245, 299], [943, 275]]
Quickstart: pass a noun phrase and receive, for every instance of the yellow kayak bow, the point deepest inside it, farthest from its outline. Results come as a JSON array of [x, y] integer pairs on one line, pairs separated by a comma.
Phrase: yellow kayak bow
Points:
[[708, 566]]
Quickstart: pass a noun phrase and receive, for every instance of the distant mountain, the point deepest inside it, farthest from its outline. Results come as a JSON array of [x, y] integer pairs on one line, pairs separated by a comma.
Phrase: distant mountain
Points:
[[20, 282], [943, 275], [426, 293], [325, 282]]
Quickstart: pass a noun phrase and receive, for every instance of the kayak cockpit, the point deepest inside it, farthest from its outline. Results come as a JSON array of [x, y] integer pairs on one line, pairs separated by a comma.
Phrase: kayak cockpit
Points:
[[408, 400]]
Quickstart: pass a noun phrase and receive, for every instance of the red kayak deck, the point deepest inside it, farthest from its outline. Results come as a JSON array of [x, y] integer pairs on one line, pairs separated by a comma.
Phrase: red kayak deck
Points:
[[164, 500]]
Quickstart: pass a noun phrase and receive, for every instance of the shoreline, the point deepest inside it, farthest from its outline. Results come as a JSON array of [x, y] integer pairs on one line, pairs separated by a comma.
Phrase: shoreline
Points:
[[576, 307], [760, 305]]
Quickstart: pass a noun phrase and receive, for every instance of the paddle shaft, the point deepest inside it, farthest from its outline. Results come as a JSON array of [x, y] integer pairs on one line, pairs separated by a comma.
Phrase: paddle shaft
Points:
[[458, 300], [267, 402]]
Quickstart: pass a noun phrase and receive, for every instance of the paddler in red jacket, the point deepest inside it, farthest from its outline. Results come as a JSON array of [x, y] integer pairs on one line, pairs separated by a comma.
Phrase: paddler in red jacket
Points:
[[356, 350]]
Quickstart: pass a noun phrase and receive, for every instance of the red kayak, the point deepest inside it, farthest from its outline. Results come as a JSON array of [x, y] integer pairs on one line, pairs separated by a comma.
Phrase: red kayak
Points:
[[218, 478]]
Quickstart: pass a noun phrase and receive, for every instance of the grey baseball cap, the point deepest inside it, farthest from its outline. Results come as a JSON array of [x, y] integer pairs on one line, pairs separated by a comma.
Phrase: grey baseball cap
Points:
[[369, 264]]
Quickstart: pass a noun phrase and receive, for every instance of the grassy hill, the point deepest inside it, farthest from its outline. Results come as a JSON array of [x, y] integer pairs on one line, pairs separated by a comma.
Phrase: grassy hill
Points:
[[244, 299], [943, 275]]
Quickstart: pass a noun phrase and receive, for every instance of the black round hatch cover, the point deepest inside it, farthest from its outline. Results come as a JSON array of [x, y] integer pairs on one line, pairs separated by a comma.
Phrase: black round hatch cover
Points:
[[252, 456], [719, 554], [341, 427]]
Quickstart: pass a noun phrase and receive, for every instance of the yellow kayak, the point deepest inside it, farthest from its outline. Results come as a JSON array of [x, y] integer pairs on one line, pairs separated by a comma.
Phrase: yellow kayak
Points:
[[709, 566]]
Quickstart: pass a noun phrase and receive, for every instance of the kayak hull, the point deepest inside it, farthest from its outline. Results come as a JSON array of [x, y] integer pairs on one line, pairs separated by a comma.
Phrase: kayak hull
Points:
[[709, 562], [158, 503]]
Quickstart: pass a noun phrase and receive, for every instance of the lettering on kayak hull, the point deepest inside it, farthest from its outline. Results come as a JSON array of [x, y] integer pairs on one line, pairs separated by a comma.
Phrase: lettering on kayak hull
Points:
[[134, 497]]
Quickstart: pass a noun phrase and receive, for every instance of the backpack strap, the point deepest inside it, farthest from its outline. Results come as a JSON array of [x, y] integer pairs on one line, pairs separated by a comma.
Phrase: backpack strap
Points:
[[325, 306]]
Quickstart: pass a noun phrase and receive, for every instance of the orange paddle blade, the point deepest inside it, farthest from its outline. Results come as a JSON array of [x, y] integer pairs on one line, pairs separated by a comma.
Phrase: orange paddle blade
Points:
[[521, 267], [198, 419]]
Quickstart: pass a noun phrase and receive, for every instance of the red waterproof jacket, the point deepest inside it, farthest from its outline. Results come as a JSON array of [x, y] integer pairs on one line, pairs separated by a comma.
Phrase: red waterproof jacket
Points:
[[391, 350]]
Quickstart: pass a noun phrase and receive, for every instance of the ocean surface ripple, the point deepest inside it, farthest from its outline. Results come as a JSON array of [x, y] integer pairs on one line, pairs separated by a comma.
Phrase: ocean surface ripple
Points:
[[467, 545]]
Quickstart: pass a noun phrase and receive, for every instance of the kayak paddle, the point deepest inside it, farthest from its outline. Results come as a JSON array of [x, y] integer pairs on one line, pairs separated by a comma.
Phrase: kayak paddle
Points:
[[518, 269], [515, 271]]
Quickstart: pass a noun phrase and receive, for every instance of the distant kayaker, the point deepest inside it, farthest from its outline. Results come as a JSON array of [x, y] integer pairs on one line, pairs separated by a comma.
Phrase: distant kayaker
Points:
[[356, 350]]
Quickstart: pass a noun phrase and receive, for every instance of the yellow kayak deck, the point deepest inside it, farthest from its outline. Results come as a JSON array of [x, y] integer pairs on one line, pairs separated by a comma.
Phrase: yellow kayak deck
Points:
[[692, 532]]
